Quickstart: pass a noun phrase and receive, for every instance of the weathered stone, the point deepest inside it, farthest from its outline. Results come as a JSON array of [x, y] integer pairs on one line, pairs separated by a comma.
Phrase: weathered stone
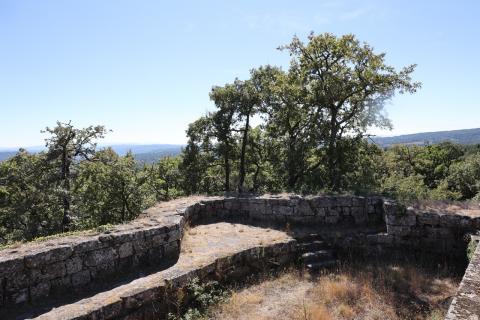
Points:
[[331, 219], [40, 290], [101, 256], [428, 218], [74, 264], [60, 284], [47, 256], [146, 240], [80, 278], [172, 249], [407, 219], [54, 270], [304, 208], [20, 296], [125, 250]]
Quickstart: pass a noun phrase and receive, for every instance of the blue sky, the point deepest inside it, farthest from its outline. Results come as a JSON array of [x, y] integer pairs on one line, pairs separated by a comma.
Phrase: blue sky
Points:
[[144, 68]]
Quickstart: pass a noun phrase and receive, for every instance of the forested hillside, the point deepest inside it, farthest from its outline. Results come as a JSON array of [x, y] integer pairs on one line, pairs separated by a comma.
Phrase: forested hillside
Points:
[[465, 136], [147, 153]]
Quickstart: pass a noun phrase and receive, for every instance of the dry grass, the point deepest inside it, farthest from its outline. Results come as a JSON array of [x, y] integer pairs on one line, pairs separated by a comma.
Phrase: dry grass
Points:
[[388, 291]]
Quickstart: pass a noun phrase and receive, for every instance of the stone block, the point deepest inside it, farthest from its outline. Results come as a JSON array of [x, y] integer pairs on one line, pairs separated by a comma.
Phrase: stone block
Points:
[[344, 201], [47, 256], [54, 270], [332, 219], [334, 211], [125, 250], [74, 264], [320, 212], [60, 284], [40, 290], [398, 230], [141, 246], [88, 245], [81, 278], [158, 240], [428, 218], [407, 219], [101, 256], [303, 208], [282, 210], [172, 249], [358, 201], [11, 265], [21, 296]]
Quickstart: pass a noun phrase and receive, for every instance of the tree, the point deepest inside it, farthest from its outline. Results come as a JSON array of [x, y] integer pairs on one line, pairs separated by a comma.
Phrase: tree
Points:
[[27, 205], [110, 189], [223, 122], [66, 146], [464, 177], [347, 84], [164, 178], [249, 102], [287, 122], [198, 157]]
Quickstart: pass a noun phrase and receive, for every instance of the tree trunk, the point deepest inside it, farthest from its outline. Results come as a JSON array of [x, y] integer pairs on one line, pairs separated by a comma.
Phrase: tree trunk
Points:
[[242, 170], [292, 176], [227, 172], [66, 190], [333, 174]]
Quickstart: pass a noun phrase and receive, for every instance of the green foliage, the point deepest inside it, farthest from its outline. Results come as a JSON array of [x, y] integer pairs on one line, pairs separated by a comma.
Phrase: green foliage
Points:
[[472, 246], [109, 189], [193, 301], [29, 207], [66, 146], [314, 118], [464, 176], [93, 189], [164, 178]]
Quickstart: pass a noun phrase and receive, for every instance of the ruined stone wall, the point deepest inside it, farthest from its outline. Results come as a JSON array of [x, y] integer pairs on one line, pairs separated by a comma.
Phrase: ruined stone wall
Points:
[[293, 210], [36, 270], [466, 303], [436, 232]]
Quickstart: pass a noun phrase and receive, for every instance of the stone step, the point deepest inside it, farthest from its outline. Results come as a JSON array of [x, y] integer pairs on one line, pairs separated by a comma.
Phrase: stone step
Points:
[[316, 266], [312, 246], [304, 237], [317, 256]]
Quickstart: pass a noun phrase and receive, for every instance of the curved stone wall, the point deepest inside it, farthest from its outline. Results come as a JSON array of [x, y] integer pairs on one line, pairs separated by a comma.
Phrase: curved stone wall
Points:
[[34, 271]]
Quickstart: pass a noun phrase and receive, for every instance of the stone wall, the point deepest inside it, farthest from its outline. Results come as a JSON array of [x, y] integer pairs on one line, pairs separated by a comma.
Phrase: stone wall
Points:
[[466, 303], [435, 232], [78, 263], [148, 298], [34, 271], [293, 210], [38, 270]]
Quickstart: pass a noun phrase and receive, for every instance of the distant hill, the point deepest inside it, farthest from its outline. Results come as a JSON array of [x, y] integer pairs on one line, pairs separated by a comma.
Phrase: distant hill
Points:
[[145, 153], [4, 155], [464, 136]]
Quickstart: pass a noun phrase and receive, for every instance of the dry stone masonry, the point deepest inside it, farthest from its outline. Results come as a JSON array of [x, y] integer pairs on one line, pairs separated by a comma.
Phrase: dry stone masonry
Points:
[[33, 273]]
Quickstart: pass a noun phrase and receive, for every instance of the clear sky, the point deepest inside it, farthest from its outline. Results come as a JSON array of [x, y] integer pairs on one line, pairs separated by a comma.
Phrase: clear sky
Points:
[[144, 68]]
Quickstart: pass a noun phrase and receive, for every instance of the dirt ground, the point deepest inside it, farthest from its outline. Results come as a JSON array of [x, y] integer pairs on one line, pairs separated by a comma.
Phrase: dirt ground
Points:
[[377, 291]]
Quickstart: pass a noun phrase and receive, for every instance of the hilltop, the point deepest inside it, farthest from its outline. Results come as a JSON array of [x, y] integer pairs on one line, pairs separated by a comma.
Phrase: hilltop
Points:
[[464, 136], [146, 153]]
